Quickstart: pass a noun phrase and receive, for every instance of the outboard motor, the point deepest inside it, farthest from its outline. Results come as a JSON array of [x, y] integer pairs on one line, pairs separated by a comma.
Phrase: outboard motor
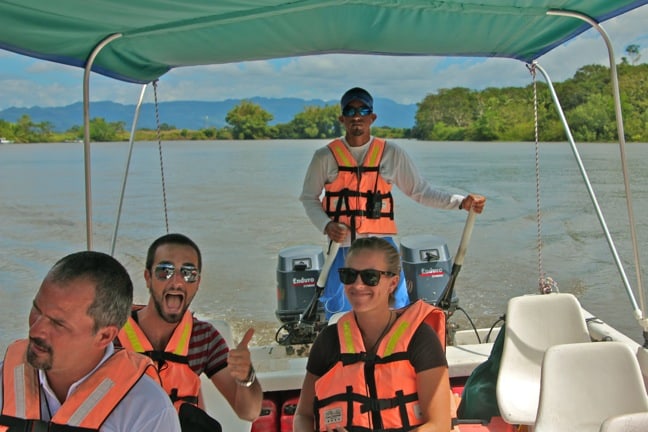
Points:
[[298, 268], [427, 266]]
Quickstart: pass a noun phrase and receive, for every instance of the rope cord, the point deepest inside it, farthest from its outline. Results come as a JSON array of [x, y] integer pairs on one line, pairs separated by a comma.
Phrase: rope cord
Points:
[[545, 284], [159, 139]]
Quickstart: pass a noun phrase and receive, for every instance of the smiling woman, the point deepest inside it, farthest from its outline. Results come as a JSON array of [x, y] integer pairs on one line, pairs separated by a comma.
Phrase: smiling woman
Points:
[[388, 343]]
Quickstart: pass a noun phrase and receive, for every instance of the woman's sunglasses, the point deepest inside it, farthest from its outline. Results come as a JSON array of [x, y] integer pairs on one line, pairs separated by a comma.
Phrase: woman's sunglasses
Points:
[[165, 271], [369, 277]]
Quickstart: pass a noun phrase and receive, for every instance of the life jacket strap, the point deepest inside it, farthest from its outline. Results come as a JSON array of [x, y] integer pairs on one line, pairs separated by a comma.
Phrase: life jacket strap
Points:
[[382, 404], [161, 357], [189, 399], [19, 424]]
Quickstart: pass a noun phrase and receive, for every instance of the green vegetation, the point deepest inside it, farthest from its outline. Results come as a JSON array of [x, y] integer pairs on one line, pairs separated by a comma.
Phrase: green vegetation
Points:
[[506, 114], [455, 114]]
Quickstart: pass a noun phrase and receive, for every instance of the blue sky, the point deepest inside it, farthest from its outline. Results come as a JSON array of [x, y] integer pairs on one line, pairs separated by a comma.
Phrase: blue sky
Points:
[[26, 82]]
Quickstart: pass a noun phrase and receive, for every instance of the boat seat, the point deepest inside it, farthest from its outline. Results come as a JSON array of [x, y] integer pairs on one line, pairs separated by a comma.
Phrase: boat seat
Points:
[[635, 422], [583, 384], [533, 324]]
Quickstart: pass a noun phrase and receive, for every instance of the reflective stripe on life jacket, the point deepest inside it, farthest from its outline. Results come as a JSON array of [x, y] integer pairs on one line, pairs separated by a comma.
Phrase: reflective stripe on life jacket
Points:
[[365, 392], [84, 410], [348, 199], [180, 382]]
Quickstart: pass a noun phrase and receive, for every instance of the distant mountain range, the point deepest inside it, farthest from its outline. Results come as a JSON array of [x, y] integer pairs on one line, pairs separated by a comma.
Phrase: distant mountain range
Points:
[[194, 115]]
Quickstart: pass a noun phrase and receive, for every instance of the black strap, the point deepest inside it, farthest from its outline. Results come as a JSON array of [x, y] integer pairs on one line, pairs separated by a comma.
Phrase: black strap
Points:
[[190, 399], [382, 404], [347, 396], [348, 358], [344, 196], [400, 400], [368, 404], [358, 170], [162, 356], [22, 425]]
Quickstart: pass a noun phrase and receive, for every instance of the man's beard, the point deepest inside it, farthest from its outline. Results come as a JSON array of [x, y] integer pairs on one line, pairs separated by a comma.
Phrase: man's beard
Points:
[[357, 131], [170, 318], [34, 360]]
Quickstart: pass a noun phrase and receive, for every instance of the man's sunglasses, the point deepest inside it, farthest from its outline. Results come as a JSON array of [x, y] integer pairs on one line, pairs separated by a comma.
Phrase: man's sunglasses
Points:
[[165, 271], [370, 277], [352, 111]]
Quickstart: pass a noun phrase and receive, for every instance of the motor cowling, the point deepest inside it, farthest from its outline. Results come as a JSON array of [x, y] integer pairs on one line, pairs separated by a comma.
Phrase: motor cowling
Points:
[[427, 265], [298, 268]]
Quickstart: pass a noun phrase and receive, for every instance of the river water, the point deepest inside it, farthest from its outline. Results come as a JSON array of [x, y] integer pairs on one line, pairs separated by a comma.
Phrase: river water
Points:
[[239, 201]]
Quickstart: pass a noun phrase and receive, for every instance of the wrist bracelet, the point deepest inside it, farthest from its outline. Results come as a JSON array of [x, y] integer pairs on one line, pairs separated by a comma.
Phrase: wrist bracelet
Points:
[[249, 380]]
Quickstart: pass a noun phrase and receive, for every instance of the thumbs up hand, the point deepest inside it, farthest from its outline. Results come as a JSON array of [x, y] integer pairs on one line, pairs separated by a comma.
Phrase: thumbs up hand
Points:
[[239, 361]]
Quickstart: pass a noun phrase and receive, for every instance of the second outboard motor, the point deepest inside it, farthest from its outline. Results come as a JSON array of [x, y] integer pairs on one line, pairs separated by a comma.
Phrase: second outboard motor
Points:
[[427, 266], [298, 268]]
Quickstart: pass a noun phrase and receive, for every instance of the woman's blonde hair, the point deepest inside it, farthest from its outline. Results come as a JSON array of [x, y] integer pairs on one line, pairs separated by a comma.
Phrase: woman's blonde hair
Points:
[[379, 244]]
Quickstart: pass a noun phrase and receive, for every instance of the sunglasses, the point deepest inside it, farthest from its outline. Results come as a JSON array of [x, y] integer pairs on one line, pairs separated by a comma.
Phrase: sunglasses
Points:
[[165, 271], [352, 111], [370, 277]]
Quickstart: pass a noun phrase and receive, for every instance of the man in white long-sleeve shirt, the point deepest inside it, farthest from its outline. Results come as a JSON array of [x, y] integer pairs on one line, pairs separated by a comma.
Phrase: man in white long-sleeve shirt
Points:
[[356, 173]]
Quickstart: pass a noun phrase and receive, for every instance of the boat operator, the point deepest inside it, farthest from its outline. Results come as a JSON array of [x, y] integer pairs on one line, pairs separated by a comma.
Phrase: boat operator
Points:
[[182, 345], [356, 173]]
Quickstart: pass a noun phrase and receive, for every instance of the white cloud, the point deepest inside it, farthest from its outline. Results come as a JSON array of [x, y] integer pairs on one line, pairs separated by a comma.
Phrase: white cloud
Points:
[[28, 82]]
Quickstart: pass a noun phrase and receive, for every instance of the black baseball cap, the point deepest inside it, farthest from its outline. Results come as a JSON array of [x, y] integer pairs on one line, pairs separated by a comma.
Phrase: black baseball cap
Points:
[[357, 93]]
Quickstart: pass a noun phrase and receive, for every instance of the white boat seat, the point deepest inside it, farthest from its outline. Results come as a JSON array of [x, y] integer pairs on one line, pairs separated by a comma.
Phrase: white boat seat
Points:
[[533, 324], [635, 422], [584, 384]]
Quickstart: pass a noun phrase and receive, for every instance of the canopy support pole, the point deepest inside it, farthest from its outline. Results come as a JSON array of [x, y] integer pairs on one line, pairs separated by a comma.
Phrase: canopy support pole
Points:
[[624, 167], [590, 190], [86, 133], [127, 169]]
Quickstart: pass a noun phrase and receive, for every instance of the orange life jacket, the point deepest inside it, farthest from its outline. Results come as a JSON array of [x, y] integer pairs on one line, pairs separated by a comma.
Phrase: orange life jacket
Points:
[[359, 196], [84, 410], [180, 382], [364, 392]]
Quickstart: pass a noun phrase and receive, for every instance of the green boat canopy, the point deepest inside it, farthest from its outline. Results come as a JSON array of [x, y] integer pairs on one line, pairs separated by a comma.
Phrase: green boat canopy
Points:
[[158, 35]]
